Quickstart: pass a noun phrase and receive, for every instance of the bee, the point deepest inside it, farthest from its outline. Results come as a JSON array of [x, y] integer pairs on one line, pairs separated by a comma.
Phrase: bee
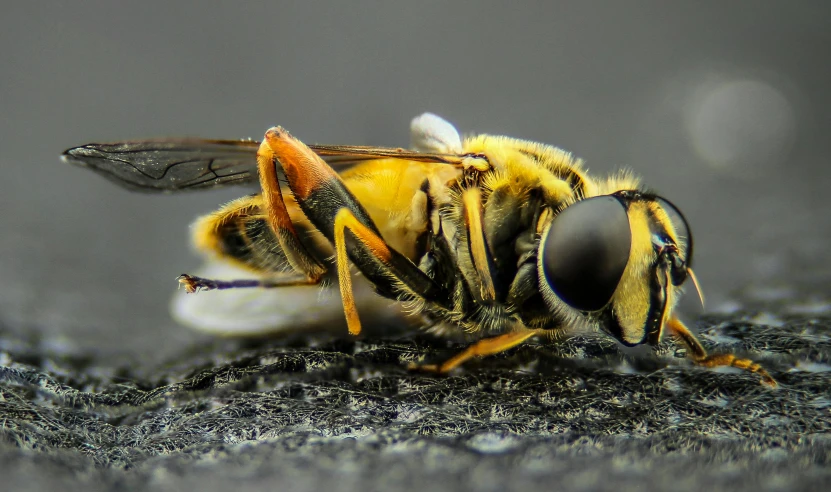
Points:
[[497, 238]]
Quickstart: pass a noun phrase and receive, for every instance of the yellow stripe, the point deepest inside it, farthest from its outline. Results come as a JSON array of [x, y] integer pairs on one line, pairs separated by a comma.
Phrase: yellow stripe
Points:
[[472, 200]]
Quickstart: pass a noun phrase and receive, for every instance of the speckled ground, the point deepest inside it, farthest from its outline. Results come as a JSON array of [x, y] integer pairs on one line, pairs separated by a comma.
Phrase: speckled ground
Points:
[[320, 413]]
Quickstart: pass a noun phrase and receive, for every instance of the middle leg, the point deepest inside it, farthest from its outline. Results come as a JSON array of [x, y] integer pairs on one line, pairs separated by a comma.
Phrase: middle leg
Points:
[[481, 348]]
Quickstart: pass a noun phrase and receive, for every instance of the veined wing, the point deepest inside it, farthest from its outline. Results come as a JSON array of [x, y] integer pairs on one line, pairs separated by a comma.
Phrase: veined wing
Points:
[[350, 154], [166, 165], [169, 165]]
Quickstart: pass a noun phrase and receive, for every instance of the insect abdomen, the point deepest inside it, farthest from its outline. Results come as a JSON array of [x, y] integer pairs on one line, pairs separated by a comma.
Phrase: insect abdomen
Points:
[[239, 232]]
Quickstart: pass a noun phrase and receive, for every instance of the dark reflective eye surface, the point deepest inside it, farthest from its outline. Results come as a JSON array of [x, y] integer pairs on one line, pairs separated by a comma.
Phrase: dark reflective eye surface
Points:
[[586, 251], [682, 229]]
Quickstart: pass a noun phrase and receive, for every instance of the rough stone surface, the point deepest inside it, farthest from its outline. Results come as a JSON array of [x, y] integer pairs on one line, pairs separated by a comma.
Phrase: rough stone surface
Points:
[[317, 412]]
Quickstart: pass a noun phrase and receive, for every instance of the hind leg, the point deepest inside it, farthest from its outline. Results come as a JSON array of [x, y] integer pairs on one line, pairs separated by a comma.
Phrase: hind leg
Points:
[[334, 210]]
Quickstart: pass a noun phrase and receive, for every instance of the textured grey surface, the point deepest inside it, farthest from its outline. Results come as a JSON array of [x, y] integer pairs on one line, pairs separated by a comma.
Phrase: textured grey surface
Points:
[[314, 413], [719, 106]]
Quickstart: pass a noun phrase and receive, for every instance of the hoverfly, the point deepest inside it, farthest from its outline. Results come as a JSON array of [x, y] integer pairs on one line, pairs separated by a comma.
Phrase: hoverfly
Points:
[[499, 238]]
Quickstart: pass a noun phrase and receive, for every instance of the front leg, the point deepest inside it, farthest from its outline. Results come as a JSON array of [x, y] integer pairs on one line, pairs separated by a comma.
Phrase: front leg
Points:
[[333, 209], [699, 355]]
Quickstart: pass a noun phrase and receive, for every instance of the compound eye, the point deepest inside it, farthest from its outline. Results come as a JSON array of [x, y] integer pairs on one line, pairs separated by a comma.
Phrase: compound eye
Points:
[[682, 229], [586, 251]]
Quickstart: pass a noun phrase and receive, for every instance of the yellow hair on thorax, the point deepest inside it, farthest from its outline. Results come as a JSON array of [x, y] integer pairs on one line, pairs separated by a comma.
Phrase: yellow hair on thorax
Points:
[[522, 165]]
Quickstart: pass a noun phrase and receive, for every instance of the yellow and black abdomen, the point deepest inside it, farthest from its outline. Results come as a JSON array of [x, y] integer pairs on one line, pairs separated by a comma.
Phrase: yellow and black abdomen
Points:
[[239, 233]]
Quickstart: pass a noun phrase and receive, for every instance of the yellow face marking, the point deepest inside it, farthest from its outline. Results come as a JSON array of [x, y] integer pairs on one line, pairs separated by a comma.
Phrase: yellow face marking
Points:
[[631, 298]]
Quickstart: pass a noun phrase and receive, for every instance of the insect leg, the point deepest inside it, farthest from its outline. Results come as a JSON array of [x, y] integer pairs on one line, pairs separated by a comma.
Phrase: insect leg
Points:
[[700, 357], [278, 217], [477, 244], [240, 233], [385, 267], [194, 284], [332, 208], [483, 347], [524, 285]]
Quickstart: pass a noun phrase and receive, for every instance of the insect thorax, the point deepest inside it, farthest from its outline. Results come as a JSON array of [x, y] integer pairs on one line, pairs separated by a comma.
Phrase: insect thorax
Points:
[[527, 184]]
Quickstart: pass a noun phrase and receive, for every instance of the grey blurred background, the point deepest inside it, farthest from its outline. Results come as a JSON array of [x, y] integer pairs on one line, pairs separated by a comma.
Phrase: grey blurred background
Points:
[[723, 107]]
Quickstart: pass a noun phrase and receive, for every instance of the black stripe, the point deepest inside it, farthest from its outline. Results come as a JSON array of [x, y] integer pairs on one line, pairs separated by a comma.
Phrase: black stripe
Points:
[[657, 307], [423, 241], [323, 203]]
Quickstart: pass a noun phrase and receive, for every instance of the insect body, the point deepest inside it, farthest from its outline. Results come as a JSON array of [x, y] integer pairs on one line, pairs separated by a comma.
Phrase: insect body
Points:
[[501, 238]]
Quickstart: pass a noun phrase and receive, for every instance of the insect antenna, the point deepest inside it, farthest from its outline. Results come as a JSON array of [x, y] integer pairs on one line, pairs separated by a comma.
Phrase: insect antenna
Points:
[[697, 285]]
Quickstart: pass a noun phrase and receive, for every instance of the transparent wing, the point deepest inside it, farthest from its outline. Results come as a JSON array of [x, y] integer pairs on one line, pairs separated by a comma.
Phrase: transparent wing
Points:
[[433, 139], [167, 165], [349, 154], [170, 165]]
